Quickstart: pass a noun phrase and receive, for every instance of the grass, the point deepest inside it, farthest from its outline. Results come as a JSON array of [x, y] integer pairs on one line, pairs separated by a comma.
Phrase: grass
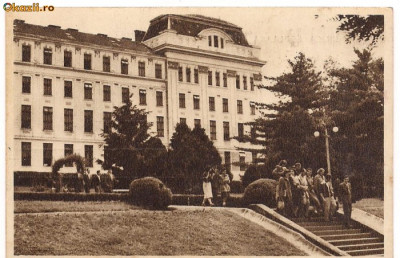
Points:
[[144, 232], [374, 206], [59, 206]]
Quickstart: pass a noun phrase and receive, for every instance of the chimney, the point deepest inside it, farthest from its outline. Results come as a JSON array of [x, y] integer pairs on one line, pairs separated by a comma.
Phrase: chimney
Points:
[[139, 35], [72, 30], [17, 21], [54, 26]]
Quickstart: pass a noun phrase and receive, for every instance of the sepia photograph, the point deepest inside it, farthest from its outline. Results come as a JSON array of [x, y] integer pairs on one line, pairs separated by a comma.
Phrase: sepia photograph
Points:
[[229, 131]]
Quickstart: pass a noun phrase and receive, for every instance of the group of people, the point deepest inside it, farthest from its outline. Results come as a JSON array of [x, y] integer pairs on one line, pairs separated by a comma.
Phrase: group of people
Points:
[[101, 182], [215, 182], [297, 190]]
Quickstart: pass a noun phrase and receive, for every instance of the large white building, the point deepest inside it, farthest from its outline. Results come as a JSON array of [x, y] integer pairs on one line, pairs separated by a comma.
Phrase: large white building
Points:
[[189, 68]]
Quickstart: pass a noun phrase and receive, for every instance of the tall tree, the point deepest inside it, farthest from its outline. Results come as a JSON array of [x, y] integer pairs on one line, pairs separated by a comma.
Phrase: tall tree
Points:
[[362, 28], [129, 146]]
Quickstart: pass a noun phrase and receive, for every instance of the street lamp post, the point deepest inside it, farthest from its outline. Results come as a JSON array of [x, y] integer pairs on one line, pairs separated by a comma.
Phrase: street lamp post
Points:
[[326, 135]]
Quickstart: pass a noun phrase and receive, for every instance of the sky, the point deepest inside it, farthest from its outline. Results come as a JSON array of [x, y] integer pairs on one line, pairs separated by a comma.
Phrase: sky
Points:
[[280, 32]]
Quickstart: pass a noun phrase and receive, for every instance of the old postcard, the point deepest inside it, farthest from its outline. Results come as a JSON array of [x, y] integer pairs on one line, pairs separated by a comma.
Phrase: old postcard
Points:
[[199, 131]]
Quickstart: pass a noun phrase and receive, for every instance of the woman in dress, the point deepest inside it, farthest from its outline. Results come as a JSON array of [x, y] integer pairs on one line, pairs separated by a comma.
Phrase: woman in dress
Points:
[[225, 188], [207, 189]]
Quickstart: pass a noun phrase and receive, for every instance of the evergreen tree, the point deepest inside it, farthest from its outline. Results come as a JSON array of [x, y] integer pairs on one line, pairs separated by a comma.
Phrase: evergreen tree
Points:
[[362, 28]]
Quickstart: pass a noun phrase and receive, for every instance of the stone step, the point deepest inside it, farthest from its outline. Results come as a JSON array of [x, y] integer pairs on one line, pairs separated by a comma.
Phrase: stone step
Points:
[[345, 236], [318, 223], [337, 232], [312, 219], [355, 241], [324, 227], [366, 252], [360, 246]]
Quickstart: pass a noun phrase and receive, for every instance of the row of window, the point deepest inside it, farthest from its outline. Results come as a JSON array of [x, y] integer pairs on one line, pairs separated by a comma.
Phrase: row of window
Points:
[[87, 61], [211, 103], [26, 154], [218, 42], [69, 120], [88, 91]]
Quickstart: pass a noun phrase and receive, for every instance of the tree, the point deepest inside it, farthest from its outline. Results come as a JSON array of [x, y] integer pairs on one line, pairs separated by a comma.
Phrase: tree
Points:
[[370, 27], [192, 154], [129, 148], [357, 108], [286, 128]]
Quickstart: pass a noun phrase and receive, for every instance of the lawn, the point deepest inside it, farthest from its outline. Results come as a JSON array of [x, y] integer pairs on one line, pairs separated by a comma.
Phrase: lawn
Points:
[[374, 206], [58, 206], [143, 232]]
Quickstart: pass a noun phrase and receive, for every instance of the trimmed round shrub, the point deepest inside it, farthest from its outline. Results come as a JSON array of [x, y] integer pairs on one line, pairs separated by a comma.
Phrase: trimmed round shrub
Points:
[[250, 175], [150, 192], [261, 191]]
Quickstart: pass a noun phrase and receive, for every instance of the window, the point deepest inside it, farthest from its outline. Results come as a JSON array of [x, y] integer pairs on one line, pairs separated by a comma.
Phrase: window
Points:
[[252, 108], [182, 120], [47, 56], [197, 123], [209, 77], [142, 69], [222, 43], [196, 76], [209, 41], [26, 116], [158, 71], [47, 87], [124, 66], [242, 161], [182, 102], [88, 91], [125, 95], [68, 150], [68, 119], [253, 132], [240, 130], [225, 78], [25, 153], [26, 53], [87, 61], [142, 97], [106, 64], [160, 126], [239, 107], [215, 41], [254, 157], [47, 118], [237, 82], [89, 156], [217, 81], [226, 131], [252, 83], [47, 154], [196, 102], [225, 105], [211, 102], [213, 130], [26, 84], [188, 74], [245, 82], [67, 89], [88, 121], [227, 157], [106, 93], [159, 98], [67, 58], [107, 122], [180, 73]]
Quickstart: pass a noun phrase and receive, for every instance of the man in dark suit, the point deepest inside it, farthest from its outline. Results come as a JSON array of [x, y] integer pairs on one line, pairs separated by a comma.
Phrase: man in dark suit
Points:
[[345, 198]]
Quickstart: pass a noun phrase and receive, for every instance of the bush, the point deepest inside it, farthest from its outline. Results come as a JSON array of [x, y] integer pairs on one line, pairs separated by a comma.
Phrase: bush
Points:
[[250, 175], [237, 187], [150, 192], [261, 191]]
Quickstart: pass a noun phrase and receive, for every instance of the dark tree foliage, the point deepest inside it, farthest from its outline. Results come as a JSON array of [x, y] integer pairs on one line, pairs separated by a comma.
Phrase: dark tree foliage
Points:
[[129, 148], [362, 28], [192, 154], [286, 129], [357, 105]]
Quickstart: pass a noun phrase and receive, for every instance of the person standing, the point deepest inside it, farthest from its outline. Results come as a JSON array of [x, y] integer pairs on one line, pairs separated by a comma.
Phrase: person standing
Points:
[[314, 201], [207, 189], [319, 177], [326, 193], [279, 170], [304, 195], [96, 182], [345, 198], [296, 192], [225, 188], [285, 193]]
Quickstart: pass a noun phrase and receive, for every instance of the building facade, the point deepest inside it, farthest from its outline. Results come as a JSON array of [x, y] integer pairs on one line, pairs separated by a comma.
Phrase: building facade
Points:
[[191, 69]]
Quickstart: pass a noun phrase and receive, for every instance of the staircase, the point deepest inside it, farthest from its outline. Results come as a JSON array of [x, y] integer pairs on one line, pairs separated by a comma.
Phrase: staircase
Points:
[[356, 241]]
